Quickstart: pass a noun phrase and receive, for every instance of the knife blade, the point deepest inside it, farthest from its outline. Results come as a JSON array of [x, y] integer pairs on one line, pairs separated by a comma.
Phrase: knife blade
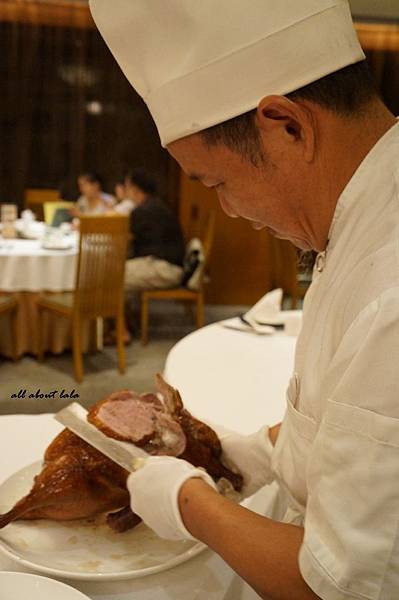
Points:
[[125, 454]]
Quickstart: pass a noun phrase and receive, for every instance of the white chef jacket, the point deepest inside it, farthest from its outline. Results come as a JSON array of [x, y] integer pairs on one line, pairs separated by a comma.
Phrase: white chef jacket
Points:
[[337, 454]]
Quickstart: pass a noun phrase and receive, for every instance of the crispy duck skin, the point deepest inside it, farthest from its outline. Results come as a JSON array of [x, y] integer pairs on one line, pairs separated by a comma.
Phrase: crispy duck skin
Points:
[[123, 519], [200, 453], [203, 448], [76, 481], [79, 482]]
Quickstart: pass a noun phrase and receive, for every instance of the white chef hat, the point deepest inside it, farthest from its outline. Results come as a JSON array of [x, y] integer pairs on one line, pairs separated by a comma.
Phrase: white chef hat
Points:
[[197, 63]]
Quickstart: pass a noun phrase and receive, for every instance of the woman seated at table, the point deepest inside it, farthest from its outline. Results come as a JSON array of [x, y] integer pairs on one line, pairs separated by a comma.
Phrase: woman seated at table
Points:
[[93, 200]]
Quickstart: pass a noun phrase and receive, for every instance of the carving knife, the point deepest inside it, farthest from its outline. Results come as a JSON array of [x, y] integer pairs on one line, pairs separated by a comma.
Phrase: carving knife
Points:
[[125, 454]]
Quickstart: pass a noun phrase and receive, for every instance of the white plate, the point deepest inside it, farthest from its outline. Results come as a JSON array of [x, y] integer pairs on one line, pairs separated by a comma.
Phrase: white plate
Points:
[[83, 549], [57, 246], [14, 586]]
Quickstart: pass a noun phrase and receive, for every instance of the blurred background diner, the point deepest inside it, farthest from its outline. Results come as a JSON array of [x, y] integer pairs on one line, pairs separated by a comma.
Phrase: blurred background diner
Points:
[[124, 204], [78, 143], [93, 200]]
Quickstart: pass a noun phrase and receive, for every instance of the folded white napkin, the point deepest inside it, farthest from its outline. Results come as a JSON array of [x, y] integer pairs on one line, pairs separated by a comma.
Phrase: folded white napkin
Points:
[[30, 229], [260, 317], [27, 215], [264, 316], [266, 311]]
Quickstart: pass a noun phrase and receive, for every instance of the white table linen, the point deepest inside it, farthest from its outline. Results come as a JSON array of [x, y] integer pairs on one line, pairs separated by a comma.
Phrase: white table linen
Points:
[[26, 266], [259, 368], [234, 378]]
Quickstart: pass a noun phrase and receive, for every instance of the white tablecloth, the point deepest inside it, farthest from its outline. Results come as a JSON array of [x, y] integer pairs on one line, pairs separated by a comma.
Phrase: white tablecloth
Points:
[[232, 377], [26, 266], [261, 362]]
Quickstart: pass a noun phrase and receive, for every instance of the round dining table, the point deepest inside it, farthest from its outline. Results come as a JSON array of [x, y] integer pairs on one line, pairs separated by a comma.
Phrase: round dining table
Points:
[[236, 378], [28, 266], [27, 269], [224, 376]]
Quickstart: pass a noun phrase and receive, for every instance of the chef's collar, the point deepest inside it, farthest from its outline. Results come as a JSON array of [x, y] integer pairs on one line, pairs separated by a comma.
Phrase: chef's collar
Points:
[[358, 181]]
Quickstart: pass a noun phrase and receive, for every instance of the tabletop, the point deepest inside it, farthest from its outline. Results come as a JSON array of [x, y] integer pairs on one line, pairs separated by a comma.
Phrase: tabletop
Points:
[[25, 265], [235, 378], [205, 577]]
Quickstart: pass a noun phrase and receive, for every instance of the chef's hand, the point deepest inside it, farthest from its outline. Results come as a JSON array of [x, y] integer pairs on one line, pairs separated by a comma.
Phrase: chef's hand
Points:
[[154, 491], [249, 455]]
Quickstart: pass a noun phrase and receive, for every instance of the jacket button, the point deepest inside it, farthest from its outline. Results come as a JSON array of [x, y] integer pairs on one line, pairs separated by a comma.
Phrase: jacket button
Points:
[[320, 261]]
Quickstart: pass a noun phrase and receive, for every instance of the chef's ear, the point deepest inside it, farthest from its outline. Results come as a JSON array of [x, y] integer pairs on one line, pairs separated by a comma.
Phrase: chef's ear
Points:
[[285, 122]]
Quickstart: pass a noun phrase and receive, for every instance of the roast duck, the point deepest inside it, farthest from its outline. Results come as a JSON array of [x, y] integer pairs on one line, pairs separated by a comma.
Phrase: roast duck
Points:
[[79, 482]]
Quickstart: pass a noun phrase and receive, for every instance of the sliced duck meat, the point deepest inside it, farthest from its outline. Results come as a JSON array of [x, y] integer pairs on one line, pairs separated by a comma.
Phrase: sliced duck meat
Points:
[[140, 419]]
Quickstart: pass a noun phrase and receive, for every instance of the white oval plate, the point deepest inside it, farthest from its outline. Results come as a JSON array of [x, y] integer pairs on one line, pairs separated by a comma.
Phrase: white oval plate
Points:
[[57, 246], [35, 587], [83, 549]]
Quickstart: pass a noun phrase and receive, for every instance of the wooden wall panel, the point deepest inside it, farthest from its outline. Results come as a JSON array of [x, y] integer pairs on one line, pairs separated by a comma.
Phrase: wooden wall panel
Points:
[[61, 13], [52, 78], [76, 13], [240, 270]]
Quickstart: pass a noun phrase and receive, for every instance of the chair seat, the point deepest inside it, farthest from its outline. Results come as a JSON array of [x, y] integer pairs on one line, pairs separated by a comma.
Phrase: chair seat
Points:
[[7, 303], [180, 293], [197, 257], [61, 302]]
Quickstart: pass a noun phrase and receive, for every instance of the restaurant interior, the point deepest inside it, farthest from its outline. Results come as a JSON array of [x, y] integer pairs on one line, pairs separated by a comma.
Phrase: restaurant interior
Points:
[[69, 333]]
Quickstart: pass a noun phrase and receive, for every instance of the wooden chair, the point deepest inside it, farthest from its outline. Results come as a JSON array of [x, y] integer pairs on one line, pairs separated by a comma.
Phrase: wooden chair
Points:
[[34, 199], [9, 305], [50, 208], [183, 294], [286, 272], [99, 288]]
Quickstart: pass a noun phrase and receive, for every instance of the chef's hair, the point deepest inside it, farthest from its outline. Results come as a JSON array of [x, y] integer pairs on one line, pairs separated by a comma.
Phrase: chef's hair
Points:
[[345, 92], [143, 180]]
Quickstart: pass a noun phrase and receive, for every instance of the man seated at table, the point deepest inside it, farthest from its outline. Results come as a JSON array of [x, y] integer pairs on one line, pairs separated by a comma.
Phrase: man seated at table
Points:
[[124, 205], [157, 244], [157, 248]]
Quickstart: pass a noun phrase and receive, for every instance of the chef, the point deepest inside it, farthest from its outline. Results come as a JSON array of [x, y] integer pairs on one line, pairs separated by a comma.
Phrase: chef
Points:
[[270, 103]]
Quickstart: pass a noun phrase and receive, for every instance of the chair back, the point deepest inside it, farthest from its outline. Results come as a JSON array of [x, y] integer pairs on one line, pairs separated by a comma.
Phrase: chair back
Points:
[[99, 290], [50, 209], [196, 280], [34, 199], [7, 303]]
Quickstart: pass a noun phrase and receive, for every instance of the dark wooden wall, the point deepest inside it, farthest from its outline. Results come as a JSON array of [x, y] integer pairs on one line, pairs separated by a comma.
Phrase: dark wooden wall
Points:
[[240, 269], [65, 107]]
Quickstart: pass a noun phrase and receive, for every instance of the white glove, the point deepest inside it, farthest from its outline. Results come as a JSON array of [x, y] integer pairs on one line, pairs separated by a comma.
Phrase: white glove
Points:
[[154, 491], [249, 455]]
